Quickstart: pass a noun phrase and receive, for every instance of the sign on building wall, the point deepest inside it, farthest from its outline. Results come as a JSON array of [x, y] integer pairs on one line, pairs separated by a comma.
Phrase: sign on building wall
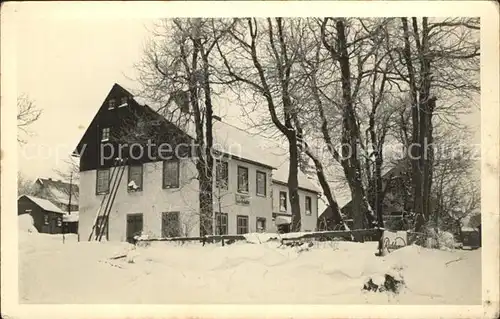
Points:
[[242, 199]]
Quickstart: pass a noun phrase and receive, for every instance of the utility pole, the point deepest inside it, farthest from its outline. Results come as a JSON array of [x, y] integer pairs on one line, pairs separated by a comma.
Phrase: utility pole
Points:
[[69, 202]]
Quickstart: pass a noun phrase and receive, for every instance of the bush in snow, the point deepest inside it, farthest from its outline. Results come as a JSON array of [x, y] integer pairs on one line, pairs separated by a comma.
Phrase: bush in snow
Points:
[[439, 239], [387, 283], [141, 239]]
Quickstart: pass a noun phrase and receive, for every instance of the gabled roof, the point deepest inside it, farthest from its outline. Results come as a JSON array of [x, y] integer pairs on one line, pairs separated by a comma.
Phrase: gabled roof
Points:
[[43, 204], [60, 190], [229, 139], [242, 144]]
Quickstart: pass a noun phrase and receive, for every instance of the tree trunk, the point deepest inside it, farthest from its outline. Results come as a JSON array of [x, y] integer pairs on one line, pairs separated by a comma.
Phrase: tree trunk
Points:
[[415, 150], [332, 203], [293, 183], [350, 161], [379, 193]]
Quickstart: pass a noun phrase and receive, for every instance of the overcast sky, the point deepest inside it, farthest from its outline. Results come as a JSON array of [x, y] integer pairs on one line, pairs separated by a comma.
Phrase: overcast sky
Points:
[[67, 67]]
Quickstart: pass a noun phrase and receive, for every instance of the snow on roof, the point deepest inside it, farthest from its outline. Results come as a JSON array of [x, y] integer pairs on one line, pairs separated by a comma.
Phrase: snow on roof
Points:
[[465, 229], [44, 204], [241, 143], [71, 218], [59, 190], [146, 101]]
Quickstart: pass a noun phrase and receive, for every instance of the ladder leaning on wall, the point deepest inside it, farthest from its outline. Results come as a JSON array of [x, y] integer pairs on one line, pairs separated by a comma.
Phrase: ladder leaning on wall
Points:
[[99, 225]]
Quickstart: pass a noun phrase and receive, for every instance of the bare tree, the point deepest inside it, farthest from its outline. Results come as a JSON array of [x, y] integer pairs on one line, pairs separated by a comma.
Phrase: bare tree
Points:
[[434, 58], [72, 170], [456, 186], [261, 59], [177, 68], [27, 114], [25, 186], [353, 47]]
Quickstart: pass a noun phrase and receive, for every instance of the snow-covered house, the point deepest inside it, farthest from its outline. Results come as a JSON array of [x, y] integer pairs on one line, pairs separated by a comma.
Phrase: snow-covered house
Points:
[[58, 192], [47, 217], [158, 193]]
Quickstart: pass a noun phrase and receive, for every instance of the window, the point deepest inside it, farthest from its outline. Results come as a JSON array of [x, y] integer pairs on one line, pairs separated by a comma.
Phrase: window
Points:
[[242, 179], [261, 183], [170, 225], [111, 104], [221, 223], [261, 224], [102, 181], [283, 201], [46, 219], [59, 221], [308, 205], [124, 101], [171, 174], [105, 134], [134, 178], [101, 226], [241, 224], [222, 174]]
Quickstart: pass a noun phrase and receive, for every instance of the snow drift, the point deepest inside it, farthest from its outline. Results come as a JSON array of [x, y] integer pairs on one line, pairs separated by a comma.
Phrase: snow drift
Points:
[[25, 222], [263, 272]]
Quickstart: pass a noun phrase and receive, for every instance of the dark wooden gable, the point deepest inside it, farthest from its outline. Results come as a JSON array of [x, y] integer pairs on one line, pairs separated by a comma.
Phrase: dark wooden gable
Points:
[[132, 128]]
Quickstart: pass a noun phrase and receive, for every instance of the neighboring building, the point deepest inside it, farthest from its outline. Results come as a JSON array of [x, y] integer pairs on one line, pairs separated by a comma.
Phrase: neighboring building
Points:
[[308, 199], [58, 192], [160, 197], [47, 217], [396, 199]]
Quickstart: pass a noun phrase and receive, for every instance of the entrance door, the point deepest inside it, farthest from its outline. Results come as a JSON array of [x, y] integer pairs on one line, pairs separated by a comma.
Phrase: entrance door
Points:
[[134, 226]]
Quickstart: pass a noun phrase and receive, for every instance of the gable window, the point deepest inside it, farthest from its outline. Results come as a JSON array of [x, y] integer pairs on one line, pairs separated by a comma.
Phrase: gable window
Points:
[[261, 224], [221, 223], [111, 104], [105, 134], [170, 225], [283, 201], [222, 174], [308, 205], [124, 101], [46, 218], [171, 174], [242, 179], [241, 224], [102, 182], [135, 178], [261, 183]]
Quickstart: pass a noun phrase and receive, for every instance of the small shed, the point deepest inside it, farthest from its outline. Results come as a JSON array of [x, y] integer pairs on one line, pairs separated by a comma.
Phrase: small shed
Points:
[[47, 217], [471, 237], [70, 222]]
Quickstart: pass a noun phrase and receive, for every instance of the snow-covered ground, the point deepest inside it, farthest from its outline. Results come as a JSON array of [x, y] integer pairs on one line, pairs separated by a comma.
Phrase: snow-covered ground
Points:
[[327, 272]]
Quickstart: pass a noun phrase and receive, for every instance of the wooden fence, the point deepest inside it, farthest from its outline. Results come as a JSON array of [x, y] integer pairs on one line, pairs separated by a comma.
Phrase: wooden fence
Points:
[[374, 234]]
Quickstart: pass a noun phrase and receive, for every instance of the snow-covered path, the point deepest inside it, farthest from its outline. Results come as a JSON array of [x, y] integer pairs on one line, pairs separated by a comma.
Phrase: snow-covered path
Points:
[[167, 273]]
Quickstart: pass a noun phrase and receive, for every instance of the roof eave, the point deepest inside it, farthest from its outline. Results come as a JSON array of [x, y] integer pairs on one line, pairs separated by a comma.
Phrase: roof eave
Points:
[[300, 187]]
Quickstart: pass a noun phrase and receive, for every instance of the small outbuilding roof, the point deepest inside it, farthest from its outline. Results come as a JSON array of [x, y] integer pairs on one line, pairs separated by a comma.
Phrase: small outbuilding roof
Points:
[[43, 204], [71, 218]]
